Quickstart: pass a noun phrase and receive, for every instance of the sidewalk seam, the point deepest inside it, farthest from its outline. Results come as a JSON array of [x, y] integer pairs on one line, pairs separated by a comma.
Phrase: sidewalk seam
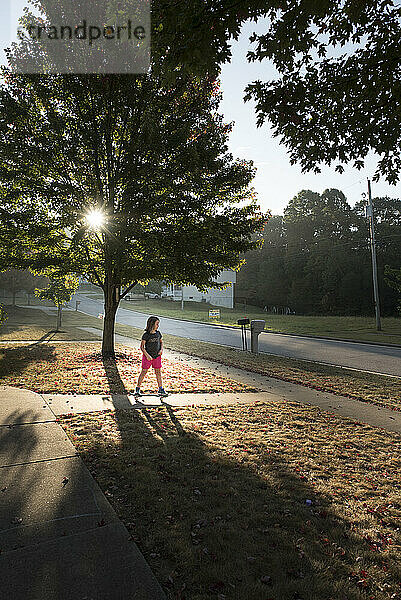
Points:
[[33, 462], [11, 425], [59, 538]]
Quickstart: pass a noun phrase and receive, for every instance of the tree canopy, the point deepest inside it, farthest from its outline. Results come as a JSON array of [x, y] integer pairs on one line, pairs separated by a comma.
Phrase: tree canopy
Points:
[[336, 96], [29, 236], [152, 159], [59, 290], [393, 279]]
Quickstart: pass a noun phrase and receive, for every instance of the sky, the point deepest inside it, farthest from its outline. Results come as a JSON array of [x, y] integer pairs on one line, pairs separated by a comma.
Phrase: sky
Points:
[[276, 181]]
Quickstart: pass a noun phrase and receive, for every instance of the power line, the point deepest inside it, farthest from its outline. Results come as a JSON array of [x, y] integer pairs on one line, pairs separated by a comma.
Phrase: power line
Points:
[[344, 245]]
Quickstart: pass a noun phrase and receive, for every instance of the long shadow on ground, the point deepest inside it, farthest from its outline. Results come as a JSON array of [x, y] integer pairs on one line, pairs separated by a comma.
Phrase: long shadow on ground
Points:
[[116, 384], [213, 525], [118, 390]]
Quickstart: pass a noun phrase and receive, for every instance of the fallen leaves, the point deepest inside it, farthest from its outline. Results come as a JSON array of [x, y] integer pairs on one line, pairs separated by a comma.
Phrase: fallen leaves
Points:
[[81, 370], [245, 525]]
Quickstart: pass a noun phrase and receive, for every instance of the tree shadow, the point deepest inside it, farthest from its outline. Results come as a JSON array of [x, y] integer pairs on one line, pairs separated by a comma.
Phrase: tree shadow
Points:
[[193, 507], [118, 391], [121, 397], [14, 361], [18, 443], [49, 516], [46, 337]]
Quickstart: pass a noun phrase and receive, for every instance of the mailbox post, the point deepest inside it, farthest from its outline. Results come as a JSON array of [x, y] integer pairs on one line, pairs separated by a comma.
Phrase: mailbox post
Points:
[[243, 323], [256, 328]]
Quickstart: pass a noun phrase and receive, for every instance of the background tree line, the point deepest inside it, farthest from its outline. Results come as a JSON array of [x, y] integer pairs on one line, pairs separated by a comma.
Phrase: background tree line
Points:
[[316, 258], [16, 281]]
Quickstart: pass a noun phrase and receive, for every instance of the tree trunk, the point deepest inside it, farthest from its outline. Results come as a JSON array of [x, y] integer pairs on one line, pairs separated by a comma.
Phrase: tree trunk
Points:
[[111, 302], [59, 318]]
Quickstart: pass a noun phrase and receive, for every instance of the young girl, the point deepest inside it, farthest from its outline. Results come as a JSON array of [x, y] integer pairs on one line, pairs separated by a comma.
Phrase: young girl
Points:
[[152, 350]]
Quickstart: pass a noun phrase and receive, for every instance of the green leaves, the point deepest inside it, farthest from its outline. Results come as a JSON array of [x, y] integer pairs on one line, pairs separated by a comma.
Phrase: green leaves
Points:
[[351, 97], [152, 158], [3, 314], [28, 234], [316, 259], [336, 96], [60, 290]]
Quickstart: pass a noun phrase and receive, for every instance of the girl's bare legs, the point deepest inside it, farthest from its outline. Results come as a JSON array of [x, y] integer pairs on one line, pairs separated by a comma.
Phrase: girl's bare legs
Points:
[[141, 377], [158, 377]]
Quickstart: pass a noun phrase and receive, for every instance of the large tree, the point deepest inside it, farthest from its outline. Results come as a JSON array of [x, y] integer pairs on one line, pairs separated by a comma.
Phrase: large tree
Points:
[[151, 159], [336, 95]]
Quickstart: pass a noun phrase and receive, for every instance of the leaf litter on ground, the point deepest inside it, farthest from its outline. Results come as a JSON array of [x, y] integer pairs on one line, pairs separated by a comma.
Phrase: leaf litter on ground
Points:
[[251, 527]]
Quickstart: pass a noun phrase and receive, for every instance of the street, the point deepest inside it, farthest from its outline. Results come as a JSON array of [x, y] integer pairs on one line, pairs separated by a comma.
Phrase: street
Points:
[[364, 357]]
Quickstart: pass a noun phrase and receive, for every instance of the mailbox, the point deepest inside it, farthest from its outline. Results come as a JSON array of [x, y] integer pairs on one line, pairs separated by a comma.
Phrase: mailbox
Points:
[[243, 322], [257, 327]]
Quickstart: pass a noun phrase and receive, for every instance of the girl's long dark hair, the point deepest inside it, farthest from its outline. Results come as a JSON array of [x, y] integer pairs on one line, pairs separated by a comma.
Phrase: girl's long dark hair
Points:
[[150, 323]]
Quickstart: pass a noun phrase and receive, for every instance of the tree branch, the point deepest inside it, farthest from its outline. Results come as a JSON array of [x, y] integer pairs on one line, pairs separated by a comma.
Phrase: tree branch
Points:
[[128, 289], [92, 268]]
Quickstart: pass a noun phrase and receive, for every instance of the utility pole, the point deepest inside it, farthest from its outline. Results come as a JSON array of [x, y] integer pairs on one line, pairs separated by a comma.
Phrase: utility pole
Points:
[[369, 213]]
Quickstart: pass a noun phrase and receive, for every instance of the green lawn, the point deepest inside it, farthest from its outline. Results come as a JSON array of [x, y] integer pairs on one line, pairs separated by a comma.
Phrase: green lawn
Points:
[[350, 328]]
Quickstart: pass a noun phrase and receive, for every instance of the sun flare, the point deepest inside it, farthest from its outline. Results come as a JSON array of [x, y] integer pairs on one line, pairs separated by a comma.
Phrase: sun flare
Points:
[[95, 219]]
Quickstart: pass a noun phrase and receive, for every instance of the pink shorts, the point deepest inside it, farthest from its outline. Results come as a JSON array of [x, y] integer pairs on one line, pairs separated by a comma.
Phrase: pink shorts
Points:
[[156, 363]]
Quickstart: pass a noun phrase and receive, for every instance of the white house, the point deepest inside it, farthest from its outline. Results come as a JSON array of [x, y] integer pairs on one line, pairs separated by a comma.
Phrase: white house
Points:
[[224, 297]]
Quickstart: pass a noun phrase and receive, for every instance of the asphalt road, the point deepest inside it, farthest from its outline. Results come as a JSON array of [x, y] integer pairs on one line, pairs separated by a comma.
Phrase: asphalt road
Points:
[[364, 357]]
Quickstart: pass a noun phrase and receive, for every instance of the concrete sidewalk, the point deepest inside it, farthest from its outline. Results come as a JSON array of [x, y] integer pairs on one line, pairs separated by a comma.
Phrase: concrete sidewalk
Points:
[[268, 389], [60, 539], [362, 412]]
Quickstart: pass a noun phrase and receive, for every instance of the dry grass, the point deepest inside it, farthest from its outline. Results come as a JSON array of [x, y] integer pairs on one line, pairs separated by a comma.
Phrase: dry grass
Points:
[[29, 324], [366, 387], [218, 499], [81, 369]]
